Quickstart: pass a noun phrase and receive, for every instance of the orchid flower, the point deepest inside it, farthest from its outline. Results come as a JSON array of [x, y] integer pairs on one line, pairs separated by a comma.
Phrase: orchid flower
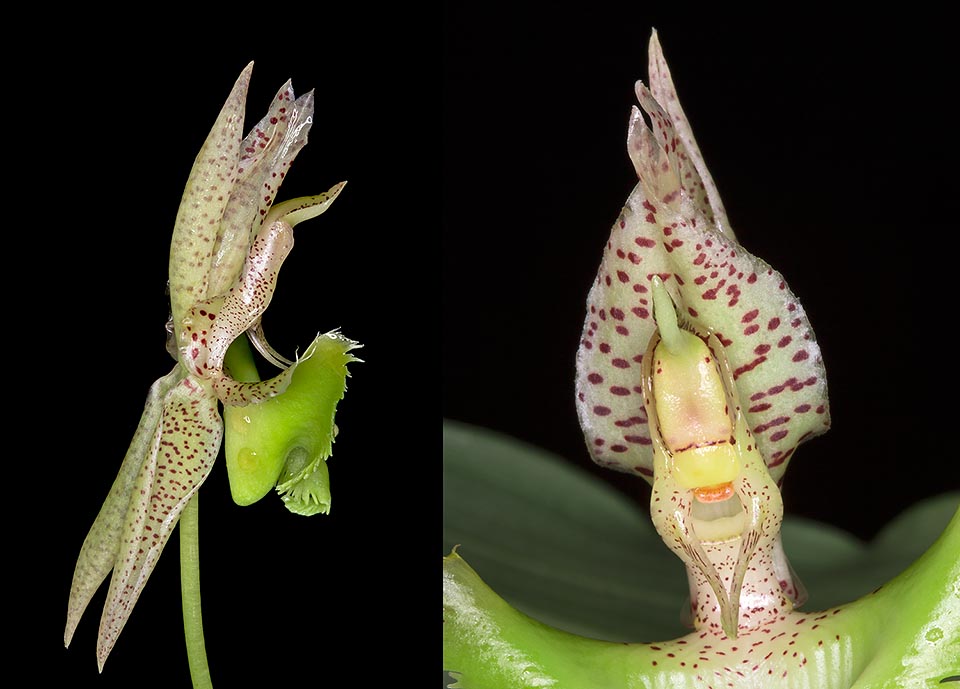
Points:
[[744, 378], [698, 371], [229, 241]]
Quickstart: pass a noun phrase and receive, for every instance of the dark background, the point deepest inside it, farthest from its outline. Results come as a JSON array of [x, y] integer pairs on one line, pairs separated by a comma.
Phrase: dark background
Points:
[[104, 122], [832, 143]]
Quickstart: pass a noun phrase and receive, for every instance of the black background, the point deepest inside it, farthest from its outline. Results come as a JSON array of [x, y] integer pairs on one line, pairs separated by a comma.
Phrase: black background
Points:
[[106, 115], [832, 143]]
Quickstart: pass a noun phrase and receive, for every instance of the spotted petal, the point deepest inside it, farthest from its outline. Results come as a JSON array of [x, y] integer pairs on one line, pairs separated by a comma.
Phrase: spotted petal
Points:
[[698, 181], [99, 551], [183, 450], [673, 226], [265, 156], [198, 224], [210, 327]]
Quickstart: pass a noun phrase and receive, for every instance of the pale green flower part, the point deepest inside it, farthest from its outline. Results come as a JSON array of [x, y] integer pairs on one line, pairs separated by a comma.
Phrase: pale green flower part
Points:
[[284, 442], [228, 244]]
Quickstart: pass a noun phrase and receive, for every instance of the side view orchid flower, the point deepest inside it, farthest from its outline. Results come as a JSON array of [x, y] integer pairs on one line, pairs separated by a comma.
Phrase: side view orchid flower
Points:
[[698, 371], [229, 241]]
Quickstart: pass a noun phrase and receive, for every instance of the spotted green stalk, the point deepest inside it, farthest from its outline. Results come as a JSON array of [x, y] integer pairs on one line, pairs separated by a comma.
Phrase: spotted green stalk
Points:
[[228, 245]]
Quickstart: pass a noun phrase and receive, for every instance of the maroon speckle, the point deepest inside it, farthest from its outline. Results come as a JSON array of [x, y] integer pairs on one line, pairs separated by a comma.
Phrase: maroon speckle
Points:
[[750, 315], [616, 313], [619, 390], [640, 312], [618, 448], [632, 421], [595, 378], [748, 367], [779, 435], [773, 324], [784, 341], [620, 363], [604, 348], [637, 439], [622, 330], [779, 421], [751, 329], [645, 242], [601, 411], [622, 276]]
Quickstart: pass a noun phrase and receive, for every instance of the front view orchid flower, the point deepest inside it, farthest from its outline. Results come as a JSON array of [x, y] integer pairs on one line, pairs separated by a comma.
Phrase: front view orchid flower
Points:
[[698, 371], [229, 241]]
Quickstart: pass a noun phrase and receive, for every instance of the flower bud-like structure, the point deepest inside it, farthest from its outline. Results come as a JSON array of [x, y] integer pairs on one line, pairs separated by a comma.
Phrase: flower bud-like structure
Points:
[[698, 370]]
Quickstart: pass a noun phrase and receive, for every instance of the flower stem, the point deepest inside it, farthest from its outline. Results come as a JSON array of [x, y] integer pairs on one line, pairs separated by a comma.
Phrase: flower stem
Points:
[[190, 594]]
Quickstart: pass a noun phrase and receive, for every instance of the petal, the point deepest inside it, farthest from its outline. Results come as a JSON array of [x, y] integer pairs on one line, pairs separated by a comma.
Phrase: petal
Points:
[[183, 450], [210, 327], [668, 229], [707, 197], [99, 551], [266, 155], [205, 198]]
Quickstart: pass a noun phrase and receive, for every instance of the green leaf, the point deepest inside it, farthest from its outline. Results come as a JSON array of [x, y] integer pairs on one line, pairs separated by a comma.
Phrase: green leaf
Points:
[[556, 543]]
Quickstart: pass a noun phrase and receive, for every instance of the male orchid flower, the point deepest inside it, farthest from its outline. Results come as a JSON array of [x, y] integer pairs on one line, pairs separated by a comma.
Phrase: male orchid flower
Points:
[[698, 371], [229, 241], [707, 404]]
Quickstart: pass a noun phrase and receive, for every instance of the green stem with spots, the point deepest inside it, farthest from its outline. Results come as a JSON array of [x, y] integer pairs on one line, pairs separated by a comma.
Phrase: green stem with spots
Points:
[[190, 594]]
